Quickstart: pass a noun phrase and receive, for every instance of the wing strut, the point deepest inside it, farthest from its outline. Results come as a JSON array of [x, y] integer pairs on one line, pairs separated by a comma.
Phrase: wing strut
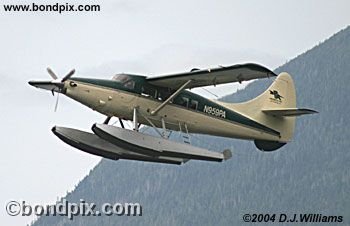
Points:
[[121, 123], [154, 112], [135, 120], [107, 120]]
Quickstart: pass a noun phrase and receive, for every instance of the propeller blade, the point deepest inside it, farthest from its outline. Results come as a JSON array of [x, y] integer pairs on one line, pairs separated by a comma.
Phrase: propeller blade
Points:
[[56, 105], [52, 74], [68, 75]]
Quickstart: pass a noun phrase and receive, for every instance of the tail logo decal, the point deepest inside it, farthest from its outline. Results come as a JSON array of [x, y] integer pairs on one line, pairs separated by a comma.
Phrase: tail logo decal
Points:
[[277, 98]]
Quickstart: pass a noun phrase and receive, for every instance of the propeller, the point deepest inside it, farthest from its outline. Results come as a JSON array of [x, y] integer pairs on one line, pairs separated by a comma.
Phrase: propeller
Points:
[[55, 78], [56, 105], [58, 81], [52, 74]]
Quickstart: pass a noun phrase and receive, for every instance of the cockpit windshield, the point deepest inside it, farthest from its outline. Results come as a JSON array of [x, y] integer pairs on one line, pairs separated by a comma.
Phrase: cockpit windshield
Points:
[[125, 79], [121, 78]]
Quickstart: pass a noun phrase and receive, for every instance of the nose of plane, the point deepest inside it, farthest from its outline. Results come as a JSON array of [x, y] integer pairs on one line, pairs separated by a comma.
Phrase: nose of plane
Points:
[[52, 86]]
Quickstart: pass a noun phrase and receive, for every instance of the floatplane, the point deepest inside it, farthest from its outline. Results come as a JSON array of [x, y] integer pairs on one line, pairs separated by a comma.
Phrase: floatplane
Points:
[[166, 104]]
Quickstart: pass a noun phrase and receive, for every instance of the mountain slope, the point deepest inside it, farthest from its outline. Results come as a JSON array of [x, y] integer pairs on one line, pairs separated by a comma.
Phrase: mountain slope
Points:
[[309, 175]]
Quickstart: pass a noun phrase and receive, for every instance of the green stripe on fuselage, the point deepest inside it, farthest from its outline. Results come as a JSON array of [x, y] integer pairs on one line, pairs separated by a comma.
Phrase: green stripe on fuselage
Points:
[[204, 105], [218, 111]]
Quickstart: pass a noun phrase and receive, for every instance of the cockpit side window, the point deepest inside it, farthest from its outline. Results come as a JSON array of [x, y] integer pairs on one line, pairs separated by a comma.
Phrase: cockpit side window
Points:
[[149, 91], [130, 84], [155, 92], [163, 94]]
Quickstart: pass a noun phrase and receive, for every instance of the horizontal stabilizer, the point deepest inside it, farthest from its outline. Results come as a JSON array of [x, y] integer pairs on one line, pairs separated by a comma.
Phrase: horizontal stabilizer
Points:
[[289, 112]]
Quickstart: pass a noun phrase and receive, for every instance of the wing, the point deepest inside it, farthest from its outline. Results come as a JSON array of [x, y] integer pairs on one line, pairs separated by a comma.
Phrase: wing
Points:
[[214, 76]]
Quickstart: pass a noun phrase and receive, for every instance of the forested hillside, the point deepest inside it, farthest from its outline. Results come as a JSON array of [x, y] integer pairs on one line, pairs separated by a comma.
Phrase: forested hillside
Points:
[[309, 175]]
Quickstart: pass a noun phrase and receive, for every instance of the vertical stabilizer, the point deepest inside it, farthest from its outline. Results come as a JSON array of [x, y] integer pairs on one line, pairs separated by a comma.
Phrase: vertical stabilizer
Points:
[[280, 95]]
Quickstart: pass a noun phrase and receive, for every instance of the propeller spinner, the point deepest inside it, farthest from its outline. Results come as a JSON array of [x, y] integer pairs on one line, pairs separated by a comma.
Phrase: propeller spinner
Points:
[[54, 76], [55, 85]]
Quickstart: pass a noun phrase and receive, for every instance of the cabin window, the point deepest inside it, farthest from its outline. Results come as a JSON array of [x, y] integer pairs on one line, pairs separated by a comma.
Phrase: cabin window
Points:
[[193, 104], [184, 102]]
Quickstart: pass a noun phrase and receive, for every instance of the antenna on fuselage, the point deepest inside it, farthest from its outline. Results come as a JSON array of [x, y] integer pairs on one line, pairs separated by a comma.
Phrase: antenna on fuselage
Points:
[[210, 92]]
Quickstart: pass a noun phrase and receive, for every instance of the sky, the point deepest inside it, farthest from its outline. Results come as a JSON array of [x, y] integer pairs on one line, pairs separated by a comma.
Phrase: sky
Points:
[[143, 37]]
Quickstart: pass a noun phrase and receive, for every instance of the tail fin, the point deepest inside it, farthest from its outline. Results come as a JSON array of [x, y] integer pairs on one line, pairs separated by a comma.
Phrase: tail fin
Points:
[[275, 108], [280, 95]]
